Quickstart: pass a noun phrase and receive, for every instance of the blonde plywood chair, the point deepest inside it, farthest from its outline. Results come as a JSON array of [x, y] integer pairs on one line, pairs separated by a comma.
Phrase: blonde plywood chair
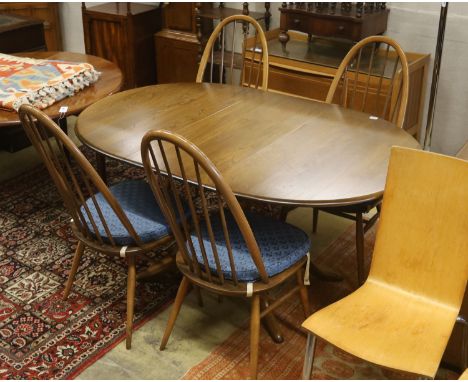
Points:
[[358, 85], [403, 315], [222, 249], [219, 60], [122, 220]]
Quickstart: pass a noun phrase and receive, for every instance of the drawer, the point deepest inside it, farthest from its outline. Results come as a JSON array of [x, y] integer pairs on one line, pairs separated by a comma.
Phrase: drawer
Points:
[[333, 28]]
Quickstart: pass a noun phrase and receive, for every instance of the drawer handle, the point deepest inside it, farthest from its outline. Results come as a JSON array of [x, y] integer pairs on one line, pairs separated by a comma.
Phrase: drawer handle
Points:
[[296, 21], [340, 28]]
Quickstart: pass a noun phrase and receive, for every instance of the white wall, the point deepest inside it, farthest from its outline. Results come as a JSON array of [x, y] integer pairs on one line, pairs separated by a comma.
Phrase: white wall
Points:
[[414, 26]]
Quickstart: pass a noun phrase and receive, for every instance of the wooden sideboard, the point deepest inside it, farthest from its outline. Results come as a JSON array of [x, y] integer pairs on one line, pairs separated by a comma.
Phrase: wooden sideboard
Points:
[[123, 33], [306, 69], [47, 12]]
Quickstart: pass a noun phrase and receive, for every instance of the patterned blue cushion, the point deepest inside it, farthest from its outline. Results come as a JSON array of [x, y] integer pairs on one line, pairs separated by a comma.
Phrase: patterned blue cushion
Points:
[[137, 200], [281, 245]]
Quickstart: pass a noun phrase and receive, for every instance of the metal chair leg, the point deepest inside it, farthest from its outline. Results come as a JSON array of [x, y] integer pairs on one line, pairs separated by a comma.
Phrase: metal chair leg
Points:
[[309, 356]]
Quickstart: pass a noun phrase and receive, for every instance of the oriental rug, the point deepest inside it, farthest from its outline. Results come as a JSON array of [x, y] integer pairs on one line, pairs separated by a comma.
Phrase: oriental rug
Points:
[[42, 336], [285, 361]]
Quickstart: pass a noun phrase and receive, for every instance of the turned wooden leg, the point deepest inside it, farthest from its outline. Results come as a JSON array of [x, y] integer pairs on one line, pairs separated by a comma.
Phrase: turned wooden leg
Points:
[[101, 166], [360, 248], [76, 262], [181, 293], [131, 283], [254, 335], [309, 356], [315, 219], [303, 292]]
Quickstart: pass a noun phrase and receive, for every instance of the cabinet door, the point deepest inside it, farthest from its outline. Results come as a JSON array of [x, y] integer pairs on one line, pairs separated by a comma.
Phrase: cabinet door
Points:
[[48, 12]]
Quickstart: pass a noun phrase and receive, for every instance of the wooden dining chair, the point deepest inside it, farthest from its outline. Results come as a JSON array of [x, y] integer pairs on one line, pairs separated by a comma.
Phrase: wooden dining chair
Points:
[[122, 220], [372, 78], [220, 61], [403, 315], [221, 249]]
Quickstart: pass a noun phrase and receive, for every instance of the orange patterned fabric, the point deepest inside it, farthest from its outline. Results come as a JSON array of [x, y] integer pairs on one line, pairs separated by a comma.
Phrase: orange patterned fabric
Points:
[[41, 82]]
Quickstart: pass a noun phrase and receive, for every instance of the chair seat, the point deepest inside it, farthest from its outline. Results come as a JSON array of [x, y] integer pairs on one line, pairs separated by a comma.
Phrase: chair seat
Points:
[[388, 327], [139, 204], [281, 246]]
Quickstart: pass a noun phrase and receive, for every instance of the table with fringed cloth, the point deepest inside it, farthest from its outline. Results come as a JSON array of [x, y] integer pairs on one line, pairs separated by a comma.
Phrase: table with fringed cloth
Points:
[[41, 82]]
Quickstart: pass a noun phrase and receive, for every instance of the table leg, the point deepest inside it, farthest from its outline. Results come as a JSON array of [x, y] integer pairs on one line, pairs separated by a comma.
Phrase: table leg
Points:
[[62, 122], [271, 323], [101, 166]]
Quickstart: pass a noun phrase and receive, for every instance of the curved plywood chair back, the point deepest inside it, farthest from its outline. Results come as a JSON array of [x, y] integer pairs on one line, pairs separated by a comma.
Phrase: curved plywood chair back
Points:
[[374, 78], [422, 239], [167, 156], [220, 61]]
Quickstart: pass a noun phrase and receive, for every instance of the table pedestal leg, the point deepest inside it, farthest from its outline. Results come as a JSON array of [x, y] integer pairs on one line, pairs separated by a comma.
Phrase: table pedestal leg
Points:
[[271, 324], [101, 166]]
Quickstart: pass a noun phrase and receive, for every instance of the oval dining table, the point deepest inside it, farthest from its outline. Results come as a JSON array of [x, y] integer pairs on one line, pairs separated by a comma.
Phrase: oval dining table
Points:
[[268, 146]]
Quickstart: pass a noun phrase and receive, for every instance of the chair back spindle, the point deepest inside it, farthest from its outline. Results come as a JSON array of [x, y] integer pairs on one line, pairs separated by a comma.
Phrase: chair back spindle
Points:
[[359, 80], [76, 180], [170, 161], [220, 62]]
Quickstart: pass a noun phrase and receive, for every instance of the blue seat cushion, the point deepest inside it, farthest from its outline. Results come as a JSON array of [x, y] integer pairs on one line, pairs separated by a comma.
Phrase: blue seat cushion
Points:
[[139, 204], [281, 246]]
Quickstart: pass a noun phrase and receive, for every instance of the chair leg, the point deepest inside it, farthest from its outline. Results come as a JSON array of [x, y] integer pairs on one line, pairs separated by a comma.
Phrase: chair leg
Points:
[[181, 293], [303, 293], [76, 262], [309, 356], [254, 335], [131, 283], [315, 220], [360, 248]]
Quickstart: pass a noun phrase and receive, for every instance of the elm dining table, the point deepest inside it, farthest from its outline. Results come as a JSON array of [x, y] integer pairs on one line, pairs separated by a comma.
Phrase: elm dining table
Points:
[[268, 146]]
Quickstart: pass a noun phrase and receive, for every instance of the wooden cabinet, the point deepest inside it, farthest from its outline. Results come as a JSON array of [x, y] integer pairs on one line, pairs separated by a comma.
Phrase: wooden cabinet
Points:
[[177, 45], [123, 33], [307, 69], [339, 20], [21, 34], [47, 12]]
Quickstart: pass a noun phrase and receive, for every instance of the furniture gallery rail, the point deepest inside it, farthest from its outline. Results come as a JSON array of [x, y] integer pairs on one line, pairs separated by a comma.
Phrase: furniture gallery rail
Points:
[[307, 69]]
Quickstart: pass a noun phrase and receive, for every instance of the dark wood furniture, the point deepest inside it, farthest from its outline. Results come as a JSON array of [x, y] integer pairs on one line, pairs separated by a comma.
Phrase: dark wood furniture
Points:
[[338, 20], [307, 69], [47, 12], [123, 33], [177, 45], [21, 34], [402, 317], [110, 81], [221, 65], [300, 152], [209, 268], [187, 27], [104, 219], [297, 153]]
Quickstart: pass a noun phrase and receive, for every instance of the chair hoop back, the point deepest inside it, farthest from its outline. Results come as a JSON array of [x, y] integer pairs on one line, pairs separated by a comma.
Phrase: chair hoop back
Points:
[[169, 158], [75, 178], [220, 56], [359, 82], [422, 239]]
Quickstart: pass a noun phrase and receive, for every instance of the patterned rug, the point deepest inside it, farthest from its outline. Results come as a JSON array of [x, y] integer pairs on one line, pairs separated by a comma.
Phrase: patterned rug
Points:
[[284, 361], [41, 336]]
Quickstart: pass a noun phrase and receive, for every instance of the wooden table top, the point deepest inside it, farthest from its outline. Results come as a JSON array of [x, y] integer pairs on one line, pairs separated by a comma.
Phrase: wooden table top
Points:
[[268, 146], [108, 83]]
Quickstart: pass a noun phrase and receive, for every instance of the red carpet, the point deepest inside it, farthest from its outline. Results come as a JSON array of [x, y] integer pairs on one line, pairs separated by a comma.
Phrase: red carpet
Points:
[[41, 336]]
